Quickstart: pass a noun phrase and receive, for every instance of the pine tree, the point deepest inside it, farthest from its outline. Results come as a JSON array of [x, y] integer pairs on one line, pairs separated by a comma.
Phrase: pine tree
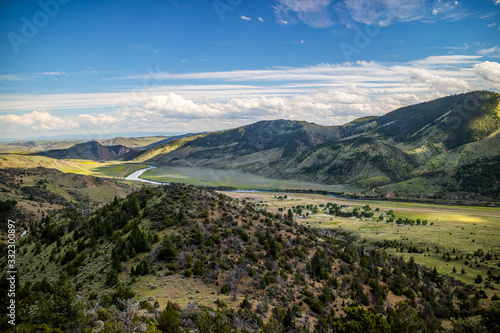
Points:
[[167, 250]]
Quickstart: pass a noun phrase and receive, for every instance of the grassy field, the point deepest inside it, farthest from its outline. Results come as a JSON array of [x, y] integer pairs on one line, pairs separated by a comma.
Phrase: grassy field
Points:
[[233, 178], [111, 169], [460, 231], [106, 169]]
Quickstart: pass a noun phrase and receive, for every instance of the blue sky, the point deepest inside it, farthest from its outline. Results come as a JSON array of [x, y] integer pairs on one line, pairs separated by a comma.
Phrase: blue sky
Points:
[[97, 67]]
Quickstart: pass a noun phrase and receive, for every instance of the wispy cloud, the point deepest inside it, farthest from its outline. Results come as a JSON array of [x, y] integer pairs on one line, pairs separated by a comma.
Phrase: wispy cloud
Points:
[[32, 76], [261, 19], [325, 13], [487, 15], [54, 73], [243, 17], [315, 13], [492, 52], [361, 71], [387, 12], [14, 77], [327, 94]]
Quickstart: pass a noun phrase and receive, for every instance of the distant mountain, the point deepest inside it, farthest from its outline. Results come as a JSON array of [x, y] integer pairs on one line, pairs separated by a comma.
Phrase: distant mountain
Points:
[[135, 142], [138, 143], [419, 150], [36, 146], [167, 140], [92, 136], [93, 150], [243, 145]]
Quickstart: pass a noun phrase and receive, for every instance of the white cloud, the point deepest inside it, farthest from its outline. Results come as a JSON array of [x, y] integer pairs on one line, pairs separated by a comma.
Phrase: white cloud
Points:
[[13, 77], [326, 107], [306, 5], [261, 19], [327, 94], [274, 82], [441, 84], [54, 73], [489, 71], [492, 25], [447, 61], [36, 120], [92, 121], [324, 13], [315, 13], [364, 73], [385, 12], [176, 105], [493, 52], [243, 17]]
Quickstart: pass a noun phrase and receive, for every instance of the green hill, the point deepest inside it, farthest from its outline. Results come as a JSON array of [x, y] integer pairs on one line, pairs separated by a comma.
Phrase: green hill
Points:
[[453, 121], [93, 150], [181, 258], [39, 191], [427, 143]]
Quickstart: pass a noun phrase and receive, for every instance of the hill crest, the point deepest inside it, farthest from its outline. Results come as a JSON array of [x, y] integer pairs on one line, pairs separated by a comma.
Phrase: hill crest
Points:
[[93, 150]]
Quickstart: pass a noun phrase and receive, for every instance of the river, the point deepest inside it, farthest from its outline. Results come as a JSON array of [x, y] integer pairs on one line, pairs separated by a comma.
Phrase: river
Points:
[[136, 176]]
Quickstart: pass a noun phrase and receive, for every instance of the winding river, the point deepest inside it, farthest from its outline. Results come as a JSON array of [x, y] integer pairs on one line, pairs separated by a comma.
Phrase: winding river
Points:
[[136, 176]]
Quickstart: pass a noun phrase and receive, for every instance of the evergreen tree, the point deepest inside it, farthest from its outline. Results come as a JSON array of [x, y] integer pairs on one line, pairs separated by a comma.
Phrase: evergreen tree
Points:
[[404, 319], [167, 249], [169, 320]]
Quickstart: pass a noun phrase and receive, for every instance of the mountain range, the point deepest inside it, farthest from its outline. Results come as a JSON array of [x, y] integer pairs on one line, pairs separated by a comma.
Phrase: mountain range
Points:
[[448, 147]]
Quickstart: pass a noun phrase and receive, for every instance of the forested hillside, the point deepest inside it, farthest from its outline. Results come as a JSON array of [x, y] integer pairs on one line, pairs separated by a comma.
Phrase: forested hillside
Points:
[[140, 263]]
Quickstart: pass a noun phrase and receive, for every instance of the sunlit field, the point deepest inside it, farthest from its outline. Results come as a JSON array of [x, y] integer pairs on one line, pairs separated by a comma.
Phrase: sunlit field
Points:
[[456, 238], [232, 178]]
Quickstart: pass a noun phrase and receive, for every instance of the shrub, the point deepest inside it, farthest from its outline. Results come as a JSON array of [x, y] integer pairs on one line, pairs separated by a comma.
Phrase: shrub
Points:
[[225, 289]]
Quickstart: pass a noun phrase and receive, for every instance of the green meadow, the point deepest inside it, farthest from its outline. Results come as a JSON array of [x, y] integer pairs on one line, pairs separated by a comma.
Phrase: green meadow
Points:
[[110, 169], [104, 169], [234, 178], [460, 241]]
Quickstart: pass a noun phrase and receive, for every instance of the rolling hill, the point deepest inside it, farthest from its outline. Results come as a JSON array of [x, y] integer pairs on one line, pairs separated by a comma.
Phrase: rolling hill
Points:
[[445, 148], [33, 146], [93, 150], [419, 150], [182, 257]]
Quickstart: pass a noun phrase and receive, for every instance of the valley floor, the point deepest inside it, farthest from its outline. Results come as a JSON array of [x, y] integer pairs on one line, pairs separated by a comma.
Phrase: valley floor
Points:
[[456, 240]]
